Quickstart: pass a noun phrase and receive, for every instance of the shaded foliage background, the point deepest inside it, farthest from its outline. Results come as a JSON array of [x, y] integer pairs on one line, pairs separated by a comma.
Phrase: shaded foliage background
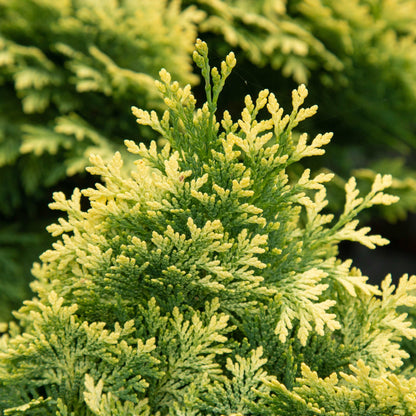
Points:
[[70, 70]]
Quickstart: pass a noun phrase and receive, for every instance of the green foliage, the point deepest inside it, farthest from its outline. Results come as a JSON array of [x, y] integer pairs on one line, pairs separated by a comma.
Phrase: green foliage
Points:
[[18, 250], [207, 282], [409, 345], [403, 185], [75, 348], [335, 47], [69, 72], [351, 394], [271, 32], [69, 69]]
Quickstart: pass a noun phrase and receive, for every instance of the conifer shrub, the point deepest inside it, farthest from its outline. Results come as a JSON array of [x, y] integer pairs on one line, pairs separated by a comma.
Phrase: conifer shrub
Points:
[[335, 47], [207, 282], [68, 70], [69, 73]]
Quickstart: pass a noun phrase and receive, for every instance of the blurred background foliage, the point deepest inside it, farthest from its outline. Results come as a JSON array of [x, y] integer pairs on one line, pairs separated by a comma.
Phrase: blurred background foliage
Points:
[[70, 70], [69, 73]]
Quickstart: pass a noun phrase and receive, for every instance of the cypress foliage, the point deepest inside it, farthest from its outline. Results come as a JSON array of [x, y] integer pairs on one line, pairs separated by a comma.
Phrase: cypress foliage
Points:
[[70, 71], [207, 282], [336, 47]]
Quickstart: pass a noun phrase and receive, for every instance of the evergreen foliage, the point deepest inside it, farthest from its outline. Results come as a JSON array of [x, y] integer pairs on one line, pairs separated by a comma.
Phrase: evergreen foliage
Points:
[[70, 71], [14, 261], [19, 248], [208, 283], [403, 185], [335, 47]]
